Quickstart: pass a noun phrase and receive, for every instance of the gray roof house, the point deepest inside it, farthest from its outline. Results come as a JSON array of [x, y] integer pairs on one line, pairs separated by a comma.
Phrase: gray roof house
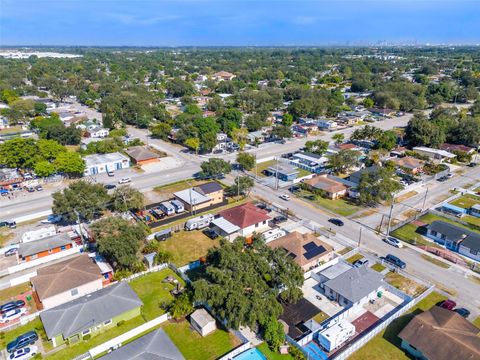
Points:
[[91, 313], [354, 286], [153, 346], [39, 248]]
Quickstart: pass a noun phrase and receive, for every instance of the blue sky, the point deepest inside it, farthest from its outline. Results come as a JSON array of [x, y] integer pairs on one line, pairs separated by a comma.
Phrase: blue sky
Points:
[[237, 22]]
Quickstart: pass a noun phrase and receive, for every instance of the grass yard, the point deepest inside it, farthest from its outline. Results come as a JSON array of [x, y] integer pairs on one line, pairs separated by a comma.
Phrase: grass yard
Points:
[[303, 172], [187, 246], [270, 355], [32, 325], [195, 347], [169, 189], [11, 292], [466, 201], [354, 258], [386, 345], [342, 207], [5, 236], [408, 286], [261, 167], [476, 322], [378, 267], [345, 250], [435, 261], [472, 220], [153, 292], [405, 196], [320, 317]]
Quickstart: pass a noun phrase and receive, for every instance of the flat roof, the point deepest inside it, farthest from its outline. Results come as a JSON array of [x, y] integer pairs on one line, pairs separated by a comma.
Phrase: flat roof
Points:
[[96, 159], [335, 270], [225, 225]]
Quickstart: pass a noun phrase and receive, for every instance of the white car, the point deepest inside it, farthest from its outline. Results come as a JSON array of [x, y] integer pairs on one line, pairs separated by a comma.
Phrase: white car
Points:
[[394, 242], [124, 180], [25, 353], [12, 315], [285, 197]]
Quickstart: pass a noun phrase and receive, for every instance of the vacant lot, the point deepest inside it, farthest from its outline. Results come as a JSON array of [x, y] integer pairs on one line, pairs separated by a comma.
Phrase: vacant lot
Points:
[[342, 207], [187, 246], [169, 189], [408, 286], [466, 201]]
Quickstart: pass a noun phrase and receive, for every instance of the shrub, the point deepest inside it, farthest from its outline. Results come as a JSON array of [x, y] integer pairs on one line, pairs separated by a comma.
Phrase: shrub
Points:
[[121, 322]]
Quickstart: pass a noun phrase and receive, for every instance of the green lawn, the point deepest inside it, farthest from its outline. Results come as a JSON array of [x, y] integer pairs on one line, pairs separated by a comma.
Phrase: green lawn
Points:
[[32, 325], [270, 355], [153, 292], [261, 167], [342, 207], [187, 246], [354, 258], [466, 201], [378, 267], [386, 345], [195, 347], [303, 172], [435, 261]]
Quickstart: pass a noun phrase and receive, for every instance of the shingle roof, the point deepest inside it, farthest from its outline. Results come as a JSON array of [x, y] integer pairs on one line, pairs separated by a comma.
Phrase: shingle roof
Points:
[[48, 243], [153, 346], [303, 248], [325, 183], [63, 276], [81, 314], [456, 147], [457, 234], [202, 317], [245, 215], [141, 153], [441, 334], [208, 188], [191, 197], [409, 162], [356, 283]]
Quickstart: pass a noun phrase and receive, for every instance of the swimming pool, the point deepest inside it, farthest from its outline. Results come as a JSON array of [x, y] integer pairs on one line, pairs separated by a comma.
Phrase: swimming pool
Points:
[[252, 354]]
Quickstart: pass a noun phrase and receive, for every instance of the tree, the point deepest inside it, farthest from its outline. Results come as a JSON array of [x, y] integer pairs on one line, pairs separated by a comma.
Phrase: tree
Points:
[[88, 200], [239, 137], [242, 282], [181, 306], [242, 186], [19, 153], [339, 138], [287, 120], [178, 87], [44, 168], [119, 240], [126, 198], [50, 149], [282, 132], [246, 160], [193, 143], [467, 132], [387, 140], [343, 161], [422, 132], [215, 167], [273, 334], [368, 102], [377, 186], [161, 130], [69, 163], [318, 147]]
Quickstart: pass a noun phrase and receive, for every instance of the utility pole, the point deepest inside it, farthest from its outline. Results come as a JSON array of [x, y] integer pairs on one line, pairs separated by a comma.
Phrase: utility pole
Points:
[[256, 177], [390, 216], [424, 200], [360, 237], [276, 175]]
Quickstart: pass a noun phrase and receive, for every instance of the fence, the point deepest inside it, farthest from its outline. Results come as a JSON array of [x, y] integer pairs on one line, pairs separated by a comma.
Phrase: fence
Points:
[[23, 320], [18, 280], [152, 269]]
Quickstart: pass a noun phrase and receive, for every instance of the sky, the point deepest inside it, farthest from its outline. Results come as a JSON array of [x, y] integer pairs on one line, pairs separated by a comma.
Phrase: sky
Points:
[[238, 22]]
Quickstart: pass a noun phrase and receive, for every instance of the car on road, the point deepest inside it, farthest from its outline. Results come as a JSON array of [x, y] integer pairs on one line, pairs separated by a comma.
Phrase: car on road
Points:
[[448, 304], [12, 305], [11, 252], [393, 241], [8, 223], [442, 179], [361, 262], [28, 338], [463, 312], [285, 197], [109, 186], [279, 219], [39, 188], [449, 175], [30, 189], [472, 164], [12, 315], [23, 354], [391, 259], [125, 180], [335, 221]]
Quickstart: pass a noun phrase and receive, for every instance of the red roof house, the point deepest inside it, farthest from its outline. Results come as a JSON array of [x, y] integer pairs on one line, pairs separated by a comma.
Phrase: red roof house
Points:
[[247, 217]]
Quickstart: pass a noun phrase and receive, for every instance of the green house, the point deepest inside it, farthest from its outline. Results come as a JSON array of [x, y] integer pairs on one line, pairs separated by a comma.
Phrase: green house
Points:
[[91, 314]]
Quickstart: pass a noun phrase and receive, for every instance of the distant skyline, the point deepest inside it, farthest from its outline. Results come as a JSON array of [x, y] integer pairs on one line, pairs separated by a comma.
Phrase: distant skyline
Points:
[[238, 22]]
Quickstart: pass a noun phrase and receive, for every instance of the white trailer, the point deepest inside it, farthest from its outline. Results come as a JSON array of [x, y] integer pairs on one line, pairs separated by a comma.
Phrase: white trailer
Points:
[[167, 208], [39, 234], [273, 234], [334, 336], [199, 222]]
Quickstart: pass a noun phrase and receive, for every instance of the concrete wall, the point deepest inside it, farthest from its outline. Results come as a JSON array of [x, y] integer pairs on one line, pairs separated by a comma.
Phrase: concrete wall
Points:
[[251, 229]]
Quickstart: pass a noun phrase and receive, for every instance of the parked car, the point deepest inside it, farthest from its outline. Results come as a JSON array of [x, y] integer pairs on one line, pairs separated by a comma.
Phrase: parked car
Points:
[[442, 179], [30, 189], [110, 173], [472, 164], [109, 186], [393, 241], [261, 206], [463, 312], [395, 261], [279, 219], [23, 340], [448, 304], [285, 197], [8, 223], [12, 315], [39, 188], [361, 262], [11, 252], [125, 180], [25, 353], [52, 219], [449, 175], [210, 233], [337, 222], [11, 305]]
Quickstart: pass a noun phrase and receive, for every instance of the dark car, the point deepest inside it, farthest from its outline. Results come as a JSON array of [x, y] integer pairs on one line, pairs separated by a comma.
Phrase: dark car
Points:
[[463, 312], [261, 206], [8, 223], [11, 252], [472, 164], [23, 340], [337, 222], [39, 188], [279, 219], [395, 261], [448, 304], [210, 233], [12, 305], [109, 186]]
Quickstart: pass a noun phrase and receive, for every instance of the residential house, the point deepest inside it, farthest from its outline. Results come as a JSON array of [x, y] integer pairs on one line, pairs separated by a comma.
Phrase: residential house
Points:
[[223, 143], [141, 155], [155, 345], [64, 281], [457, 148], [224, 228], [44, 247], [201, 196], [348, 146], [284, 172], [10, 178], [356, 176], [299, 130], [398, 151], [327, 124], [434, 154], [383, 112], [455, 238], [223, 76], [331, 272], [90, 314], [355, 286], [306, 250], [311, 162], [333, 187], [101, 163], [203, 322], [475, 210], [409, 164], [97, 132], [440, 334], [256, 137], [247, 217], [213, 190]]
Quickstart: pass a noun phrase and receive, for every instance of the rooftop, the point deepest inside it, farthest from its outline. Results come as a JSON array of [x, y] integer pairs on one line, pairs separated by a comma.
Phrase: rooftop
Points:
[[208, 188], [141, 153], [457, 234], [244, 215], [95, 159], [333, 271], [327, 183], [191, 196], [409, 162], [202, 317], [45, 244]]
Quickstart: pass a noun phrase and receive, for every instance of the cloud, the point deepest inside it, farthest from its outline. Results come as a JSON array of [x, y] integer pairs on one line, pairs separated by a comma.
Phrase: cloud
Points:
[[128, 19]]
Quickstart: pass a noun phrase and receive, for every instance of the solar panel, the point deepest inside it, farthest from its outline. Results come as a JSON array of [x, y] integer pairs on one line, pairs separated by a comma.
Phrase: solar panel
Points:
[[314, 252], [310, 246]]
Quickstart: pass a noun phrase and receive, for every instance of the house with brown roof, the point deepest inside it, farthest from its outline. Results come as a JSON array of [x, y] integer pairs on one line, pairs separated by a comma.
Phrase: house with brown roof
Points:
[[247, 217], [410, 164], [441, 334], [457, 148], [223, 76], [141, 155], [305, 249], [67, 280], [333, 187]]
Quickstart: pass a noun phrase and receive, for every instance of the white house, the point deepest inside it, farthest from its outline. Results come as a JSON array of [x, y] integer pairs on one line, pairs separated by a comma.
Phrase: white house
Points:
[[203, 322], [434, 154], [327, 124], [101, 163], [97, 132], [336, 335], [248, 218]]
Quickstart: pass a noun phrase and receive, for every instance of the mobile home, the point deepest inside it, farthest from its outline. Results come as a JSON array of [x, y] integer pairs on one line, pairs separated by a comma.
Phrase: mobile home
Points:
[[336, 335], [199, 222], [179, 208], [167, 208]]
